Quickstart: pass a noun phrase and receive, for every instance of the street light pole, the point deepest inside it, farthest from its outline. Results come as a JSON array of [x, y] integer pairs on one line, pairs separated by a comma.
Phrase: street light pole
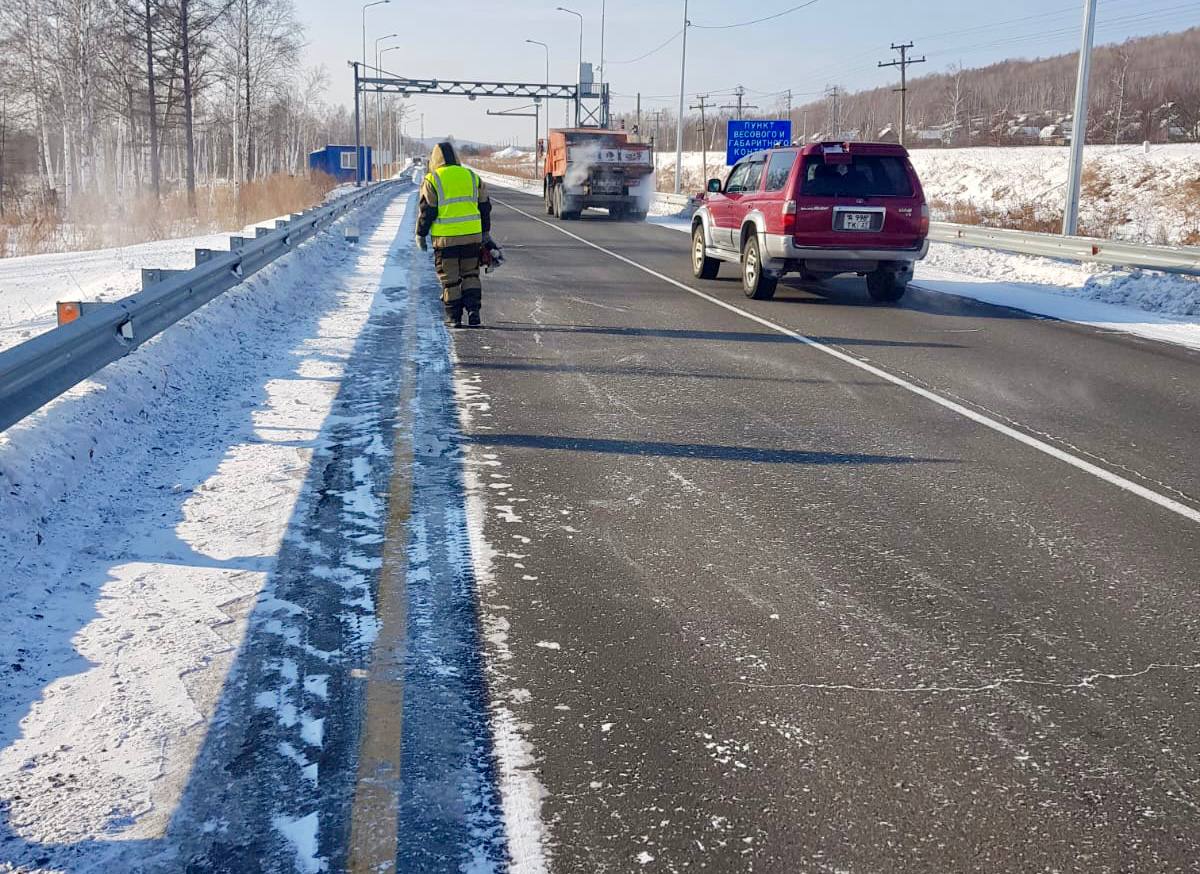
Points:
[[682, 88], [379, 98], [536, 156], [358, 159], [603, 4], [379, 63], [579, 77], [1079, 124]]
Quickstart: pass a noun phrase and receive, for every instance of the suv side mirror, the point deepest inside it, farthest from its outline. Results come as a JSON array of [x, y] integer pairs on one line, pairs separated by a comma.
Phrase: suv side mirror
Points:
[[714, 186]]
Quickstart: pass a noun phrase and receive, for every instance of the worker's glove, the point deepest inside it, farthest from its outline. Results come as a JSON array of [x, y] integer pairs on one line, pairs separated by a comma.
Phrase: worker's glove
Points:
[[423, 244]]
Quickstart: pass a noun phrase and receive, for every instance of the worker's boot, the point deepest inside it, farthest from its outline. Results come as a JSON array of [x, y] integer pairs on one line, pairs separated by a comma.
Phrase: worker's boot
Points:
[[473, 319], [454, 316]]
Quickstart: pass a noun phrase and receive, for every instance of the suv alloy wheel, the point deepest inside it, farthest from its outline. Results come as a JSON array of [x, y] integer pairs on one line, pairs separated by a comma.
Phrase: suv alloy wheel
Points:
[[703, 267], [756, 282]]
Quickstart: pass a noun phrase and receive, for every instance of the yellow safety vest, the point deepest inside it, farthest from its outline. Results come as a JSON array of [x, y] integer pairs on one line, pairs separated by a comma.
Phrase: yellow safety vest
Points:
[[458, 202]]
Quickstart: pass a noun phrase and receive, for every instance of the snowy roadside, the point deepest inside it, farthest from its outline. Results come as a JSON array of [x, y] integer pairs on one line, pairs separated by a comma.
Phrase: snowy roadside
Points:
[[30, 285], [143, 512]]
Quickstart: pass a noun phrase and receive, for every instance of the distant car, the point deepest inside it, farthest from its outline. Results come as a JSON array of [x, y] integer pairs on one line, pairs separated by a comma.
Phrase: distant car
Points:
[[819, 210]]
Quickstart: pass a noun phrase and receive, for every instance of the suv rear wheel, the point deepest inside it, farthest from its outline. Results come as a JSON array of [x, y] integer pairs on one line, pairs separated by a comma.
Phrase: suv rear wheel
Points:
[[703, 267], [756, 282], [885, 286]]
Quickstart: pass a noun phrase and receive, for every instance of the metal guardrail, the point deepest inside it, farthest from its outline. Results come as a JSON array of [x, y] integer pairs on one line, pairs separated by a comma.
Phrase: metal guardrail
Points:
[[1113, 252], [39, 370], [679, 200]]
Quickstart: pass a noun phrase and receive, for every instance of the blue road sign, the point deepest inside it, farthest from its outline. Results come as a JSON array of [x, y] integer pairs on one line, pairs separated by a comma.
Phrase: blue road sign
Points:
[[748, 136]]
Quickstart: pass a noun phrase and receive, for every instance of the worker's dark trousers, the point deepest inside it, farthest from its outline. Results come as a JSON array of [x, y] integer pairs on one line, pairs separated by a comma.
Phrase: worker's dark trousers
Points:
[[458, 271]]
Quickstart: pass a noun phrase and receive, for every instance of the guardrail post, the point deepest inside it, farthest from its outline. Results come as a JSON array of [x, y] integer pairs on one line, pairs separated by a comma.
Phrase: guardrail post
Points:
[[203, 255], [152, 275], [261, 232], [236, 243]]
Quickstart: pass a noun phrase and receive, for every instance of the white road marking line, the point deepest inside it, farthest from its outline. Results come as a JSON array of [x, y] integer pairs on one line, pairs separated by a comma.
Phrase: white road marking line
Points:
[[1100, 473]]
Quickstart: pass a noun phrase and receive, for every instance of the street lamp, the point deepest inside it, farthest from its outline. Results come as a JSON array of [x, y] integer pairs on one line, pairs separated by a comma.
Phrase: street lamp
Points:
[[359, 173], [682, 87], [579, 78], [379, 99], [367, 6], [535, 42], [603, 4], [379, 63]]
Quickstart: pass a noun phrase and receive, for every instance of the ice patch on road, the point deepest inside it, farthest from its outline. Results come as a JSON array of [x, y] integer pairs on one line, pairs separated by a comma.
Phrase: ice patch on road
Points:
[[302, 835]]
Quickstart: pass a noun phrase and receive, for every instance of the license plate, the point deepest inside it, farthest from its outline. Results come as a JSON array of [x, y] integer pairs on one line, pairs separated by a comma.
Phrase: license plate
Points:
[[856, 221]]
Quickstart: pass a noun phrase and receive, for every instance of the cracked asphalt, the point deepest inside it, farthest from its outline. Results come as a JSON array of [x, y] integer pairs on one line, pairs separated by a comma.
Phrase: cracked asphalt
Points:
[[767, 611]]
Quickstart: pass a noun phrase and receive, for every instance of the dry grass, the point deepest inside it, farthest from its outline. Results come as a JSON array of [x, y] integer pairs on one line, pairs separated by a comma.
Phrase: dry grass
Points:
[[505, 167], [97, 222]]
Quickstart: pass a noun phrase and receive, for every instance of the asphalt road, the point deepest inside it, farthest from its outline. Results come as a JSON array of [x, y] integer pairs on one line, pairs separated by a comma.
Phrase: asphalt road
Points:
[[929, 606]]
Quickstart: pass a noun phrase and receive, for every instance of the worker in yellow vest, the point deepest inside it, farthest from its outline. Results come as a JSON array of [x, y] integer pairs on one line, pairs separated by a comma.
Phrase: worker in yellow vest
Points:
[[456, 212]]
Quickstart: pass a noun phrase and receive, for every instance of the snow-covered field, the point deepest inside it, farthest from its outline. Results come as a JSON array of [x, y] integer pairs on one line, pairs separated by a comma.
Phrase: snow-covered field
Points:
[[30, 286]]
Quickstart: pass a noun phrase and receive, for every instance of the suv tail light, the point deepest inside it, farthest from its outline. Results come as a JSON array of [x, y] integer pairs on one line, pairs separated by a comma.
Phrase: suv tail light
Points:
[[789, 217], [924, 225]]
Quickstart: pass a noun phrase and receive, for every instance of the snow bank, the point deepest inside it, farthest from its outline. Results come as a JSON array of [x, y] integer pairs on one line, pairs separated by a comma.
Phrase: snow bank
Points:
[[1128, 193], [31, 285], [143, 512], [510, 152]]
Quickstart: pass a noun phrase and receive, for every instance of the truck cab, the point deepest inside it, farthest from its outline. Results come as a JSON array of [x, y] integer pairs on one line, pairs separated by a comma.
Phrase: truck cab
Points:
[[820, 210]]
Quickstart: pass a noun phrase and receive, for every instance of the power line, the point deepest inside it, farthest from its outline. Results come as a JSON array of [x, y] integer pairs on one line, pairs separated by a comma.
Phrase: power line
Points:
[[741, 105], [756, 20], [652, 51]]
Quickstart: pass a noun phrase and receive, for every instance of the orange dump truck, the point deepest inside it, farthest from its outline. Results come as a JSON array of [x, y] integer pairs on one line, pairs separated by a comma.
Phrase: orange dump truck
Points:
[[589, 167]]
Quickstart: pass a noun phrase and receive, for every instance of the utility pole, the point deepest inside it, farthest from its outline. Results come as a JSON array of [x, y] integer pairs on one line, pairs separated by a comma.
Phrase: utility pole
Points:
[[701, 105], [603, 4], [358, 161], [833, 110], [1079, 123], [789, 104], [904, 63], [741, 106], [639, 113], [682, 88]]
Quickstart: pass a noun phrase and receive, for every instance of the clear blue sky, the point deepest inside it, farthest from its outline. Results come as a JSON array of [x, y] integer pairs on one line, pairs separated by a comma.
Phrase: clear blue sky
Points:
[[830, 42]]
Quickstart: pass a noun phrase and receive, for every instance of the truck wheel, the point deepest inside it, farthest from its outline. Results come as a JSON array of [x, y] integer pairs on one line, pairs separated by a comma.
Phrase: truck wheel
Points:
[[548, 195], [635, 216], [617, 213], [556, 202], [884, 286], [756, 282], [703, 267]]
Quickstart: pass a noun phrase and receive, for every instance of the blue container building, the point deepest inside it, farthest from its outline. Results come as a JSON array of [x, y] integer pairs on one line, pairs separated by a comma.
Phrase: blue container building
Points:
[[338, 162]]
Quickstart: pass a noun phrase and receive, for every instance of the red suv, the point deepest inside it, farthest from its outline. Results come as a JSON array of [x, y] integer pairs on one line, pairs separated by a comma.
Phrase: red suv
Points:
[[818, 210]]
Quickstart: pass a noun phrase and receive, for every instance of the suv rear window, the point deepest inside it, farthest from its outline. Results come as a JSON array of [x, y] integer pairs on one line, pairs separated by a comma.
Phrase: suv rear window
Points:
[[867, 176]]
